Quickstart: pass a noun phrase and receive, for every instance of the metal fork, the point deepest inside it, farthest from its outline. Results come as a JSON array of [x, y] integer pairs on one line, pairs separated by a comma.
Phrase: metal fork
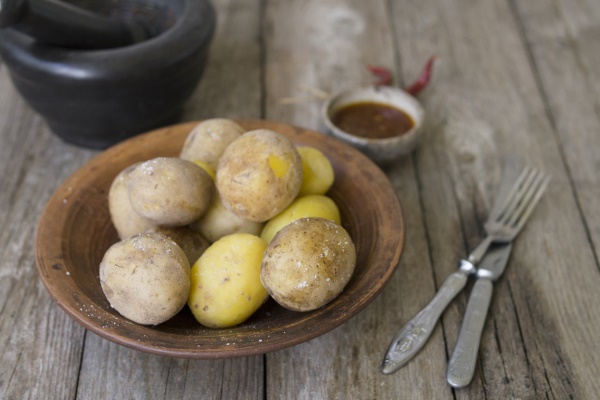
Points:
[[505, 225], [510, 218]]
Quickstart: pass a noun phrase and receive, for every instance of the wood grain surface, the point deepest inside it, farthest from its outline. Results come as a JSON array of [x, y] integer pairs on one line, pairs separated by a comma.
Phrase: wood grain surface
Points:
[[511, 79]]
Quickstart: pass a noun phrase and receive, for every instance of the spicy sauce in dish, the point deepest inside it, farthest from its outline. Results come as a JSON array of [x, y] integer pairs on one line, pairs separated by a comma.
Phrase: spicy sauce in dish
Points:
[[372, 120]]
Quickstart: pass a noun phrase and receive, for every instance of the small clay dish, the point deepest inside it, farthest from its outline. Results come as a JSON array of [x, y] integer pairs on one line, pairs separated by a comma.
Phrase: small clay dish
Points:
[[381, 150], [75, 231]]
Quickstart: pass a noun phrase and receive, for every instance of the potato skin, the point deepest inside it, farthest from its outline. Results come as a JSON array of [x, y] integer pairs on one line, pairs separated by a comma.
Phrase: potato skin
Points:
[[125, 219], [170, 191], [218, 221], [146, 278], [308, 264], [259, 175], [192, 243], [209, 139], [225, 281]]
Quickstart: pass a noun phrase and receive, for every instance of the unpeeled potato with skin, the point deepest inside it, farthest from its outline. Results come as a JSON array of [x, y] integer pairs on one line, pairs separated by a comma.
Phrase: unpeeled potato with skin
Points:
[[219, 221], [259, 175], [125, 219], [209, 139], [146, 278], [308, 264], [191, 242], [170, 191]]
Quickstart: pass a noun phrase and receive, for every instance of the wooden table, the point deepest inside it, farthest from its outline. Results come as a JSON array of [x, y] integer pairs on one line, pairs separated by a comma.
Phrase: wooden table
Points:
[[515, 78]]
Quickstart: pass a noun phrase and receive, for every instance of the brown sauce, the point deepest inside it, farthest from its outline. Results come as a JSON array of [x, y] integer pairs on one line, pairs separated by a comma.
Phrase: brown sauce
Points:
[[372, 120]]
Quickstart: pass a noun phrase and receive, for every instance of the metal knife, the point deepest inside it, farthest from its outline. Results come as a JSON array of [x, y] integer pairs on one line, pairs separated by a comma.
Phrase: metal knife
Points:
[[461, 367], [415, 334]]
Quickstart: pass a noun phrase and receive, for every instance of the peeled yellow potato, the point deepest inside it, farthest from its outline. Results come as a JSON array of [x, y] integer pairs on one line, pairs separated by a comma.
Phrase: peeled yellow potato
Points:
[[308, 264], [219, 221], [303, 207], [146, 278], [210, 170], [207, 141], [127, 222], [225, 281], [259, 175], [318, 174]]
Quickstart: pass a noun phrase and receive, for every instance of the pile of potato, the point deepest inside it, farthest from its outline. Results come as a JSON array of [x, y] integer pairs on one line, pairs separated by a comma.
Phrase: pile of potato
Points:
[[237, 217]]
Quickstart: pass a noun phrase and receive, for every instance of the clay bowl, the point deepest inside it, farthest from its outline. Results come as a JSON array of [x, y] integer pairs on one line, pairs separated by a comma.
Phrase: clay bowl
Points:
[[96, 98], [75, 230]]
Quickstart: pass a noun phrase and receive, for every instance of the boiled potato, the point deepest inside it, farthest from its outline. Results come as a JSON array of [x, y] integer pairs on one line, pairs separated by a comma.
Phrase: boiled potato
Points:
[[259, 175], [146, 278], [303, 207], [308, 263], [219, 221], [317, 171], [207, 141], [210, 170], [226, 288], [192, 243], [170, 191], [127, 222]]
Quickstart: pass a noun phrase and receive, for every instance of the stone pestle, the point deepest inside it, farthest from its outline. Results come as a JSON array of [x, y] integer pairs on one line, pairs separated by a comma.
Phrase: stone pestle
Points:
[[61, 24]]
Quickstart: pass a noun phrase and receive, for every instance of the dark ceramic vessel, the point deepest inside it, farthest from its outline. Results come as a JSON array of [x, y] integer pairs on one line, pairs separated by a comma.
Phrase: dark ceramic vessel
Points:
[[95, 98]]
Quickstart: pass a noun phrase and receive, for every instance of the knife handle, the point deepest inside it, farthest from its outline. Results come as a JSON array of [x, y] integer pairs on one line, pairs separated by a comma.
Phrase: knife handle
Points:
[[461, 367], [415, 334]]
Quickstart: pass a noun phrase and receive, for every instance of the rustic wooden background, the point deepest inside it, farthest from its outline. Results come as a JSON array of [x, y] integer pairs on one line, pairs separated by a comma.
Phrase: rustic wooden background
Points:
[[513, 77]]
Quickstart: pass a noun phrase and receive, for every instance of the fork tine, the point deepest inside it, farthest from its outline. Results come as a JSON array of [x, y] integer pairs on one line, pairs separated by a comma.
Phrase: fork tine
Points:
[[527, 195], [533, 203], [511, 195], [516, 195]]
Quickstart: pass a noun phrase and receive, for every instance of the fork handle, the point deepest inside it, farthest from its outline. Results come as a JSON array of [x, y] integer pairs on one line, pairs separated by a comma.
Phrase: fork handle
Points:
[[461, 367], [415, 334], [477, 254]]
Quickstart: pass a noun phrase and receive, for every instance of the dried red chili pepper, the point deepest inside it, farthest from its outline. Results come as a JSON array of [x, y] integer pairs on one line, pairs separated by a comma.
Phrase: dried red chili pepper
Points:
[[385, 78], [383, 74], [423, 80]]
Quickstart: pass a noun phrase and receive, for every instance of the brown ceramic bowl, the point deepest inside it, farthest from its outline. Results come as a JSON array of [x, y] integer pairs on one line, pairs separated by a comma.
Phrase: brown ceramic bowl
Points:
[[75, 231]]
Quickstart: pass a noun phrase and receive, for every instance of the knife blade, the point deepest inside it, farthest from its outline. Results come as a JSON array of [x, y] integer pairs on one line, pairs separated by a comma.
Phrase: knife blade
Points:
[[461, 367], [413, 336]]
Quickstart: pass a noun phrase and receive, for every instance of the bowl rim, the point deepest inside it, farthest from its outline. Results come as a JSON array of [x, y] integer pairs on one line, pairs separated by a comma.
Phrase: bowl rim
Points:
[[65, 292]]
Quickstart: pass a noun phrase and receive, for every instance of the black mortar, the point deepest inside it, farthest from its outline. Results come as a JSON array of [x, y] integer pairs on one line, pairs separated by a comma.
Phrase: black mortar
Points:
[[95, 98]]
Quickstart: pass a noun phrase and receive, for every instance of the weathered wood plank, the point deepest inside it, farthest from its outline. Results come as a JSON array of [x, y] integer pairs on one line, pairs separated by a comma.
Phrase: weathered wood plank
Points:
[[231, 85], [486, 81], [327, 45], [230, 88], [122, 373], [40, 347], [564, 41]]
